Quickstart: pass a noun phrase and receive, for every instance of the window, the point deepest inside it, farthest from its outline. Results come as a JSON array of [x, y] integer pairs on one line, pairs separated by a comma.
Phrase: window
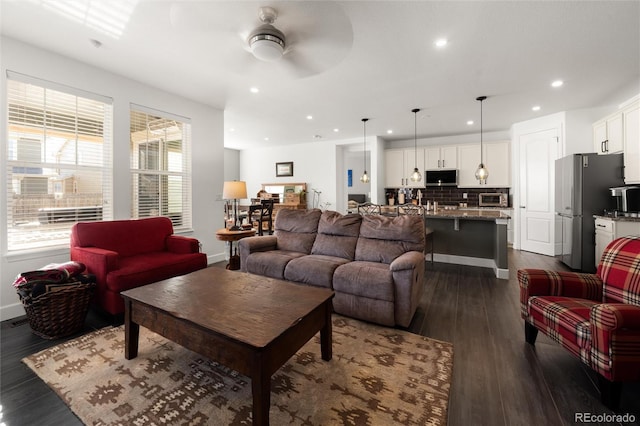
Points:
[[160, 166], [59, 163]]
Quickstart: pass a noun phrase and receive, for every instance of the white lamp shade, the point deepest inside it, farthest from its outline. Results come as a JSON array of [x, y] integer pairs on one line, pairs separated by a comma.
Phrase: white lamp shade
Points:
[[233, 190]]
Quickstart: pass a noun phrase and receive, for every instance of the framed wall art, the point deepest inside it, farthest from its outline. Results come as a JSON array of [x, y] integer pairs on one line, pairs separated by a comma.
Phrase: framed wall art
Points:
[[284, 169]]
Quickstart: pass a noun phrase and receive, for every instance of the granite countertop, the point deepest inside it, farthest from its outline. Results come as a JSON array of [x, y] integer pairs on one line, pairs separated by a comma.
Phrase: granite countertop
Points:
[[618, 219], [473, 214]]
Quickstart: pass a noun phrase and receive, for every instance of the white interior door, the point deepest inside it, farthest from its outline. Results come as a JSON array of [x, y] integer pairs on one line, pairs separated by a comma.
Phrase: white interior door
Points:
[[538, 152]]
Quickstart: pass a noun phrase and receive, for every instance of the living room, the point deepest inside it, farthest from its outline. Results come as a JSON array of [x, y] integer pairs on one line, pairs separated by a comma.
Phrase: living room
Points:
[[218, 156]]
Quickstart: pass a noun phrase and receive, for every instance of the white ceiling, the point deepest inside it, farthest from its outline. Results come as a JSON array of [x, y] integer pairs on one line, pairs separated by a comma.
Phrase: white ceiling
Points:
[[355, 59]]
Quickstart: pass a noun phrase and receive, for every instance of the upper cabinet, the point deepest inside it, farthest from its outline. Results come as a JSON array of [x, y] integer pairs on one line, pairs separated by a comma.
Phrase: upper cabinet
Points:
[[496, 158], [468, 160], [608, 134], [443, 157], [631, 120], [399, 164]]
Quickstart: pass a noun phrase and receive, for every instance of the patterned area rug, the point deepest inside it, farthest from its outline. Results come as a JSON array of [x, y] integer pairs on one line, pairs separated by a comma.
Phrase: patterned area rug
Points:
[[378, 376]]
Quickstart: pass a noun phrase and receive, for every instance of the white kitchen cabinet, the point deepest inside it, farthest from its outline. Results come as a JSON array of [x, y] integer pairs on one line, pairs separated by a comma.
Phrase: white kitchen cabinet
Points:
[[608, 230], [441, 157], [399, 164], [468, 160], [608, 134], [394, 168], [496, 158], [498, 161], [631, 120]]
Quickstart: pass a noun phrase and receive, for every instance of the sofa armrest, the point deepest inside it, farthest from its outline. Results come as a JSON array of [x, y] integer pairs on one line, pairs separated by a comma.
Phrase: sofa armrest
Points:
[[539, 282], [408, 260], [183, 245], [408, 279], [258, 243], [615, 332], [98, 261]]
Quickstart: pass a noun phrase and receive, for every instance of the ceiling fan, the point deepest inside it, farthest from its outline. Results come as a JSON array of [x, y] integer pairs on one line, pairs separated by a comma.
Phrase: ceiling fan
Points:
[[266, 42], [311, 37]]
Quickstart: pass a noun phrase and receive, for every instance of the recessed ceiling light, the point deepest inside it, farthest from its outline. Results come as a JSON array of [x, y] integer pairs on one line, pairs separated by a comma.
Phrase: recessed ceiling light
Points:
[[232, 129], [469, 123], [535, 108], [389, 131], [309, 117], [557, 83], [254, 90], [266, 139], [441, 42], [336, 130]]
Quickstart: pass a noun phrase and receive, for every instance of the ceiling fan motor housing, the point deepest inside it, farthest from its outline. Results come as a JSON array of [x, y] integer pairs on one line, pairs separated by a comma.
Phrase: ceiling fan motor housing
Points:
[[267, 43]]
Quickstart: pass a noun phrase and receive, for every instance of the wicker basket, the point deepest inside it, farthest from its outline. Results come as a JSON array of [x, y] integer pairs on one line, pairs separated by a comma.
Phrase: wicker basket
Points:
[[60, 313]]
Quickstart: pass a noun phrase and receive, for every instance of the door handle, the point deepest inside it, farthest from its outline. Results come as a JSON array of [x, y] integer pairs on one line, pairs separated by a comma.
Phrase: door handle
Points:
[[443, 164], [606, 145], [523, 207]]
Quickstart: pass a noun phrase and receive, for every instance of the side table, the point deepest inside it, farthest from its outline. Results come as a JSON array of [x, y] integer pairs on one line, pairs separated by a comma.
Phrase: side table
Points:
[[231, 236]]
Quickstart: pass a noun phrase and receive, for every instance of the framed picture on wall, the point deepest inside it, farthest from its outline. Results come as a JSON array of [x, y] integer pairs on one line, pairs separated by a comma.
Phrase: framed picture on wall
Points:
[[284, 169]]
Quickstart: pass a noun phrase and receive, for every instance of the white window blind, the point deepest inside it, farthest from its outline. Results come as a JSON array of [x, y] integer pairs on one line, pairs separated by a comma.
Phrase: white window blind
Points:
[[161, 166], [59, 162]]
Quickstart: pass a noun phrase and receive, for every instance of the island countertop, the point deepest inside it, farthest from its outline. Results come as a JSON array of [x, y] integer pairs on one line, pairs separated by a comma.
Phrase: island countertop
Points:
[[472, 214]]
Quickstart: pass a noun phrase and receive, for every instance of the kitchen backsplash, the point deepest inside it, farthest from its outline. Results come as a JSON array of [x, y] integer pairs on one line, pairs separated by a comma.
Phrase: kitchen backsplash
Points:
[[445, 195]]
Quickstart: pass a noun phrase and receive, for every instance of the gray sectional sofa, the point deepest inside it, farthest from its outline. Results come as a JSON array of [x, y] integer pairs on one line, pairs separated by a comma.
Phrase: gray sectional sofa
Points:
[[375, 264]]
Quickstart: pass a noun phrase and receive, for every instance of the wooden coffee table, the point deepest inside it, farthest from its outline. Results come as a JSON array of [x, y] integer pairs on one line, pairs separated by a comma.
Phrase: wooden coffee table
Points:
[[249, 323]]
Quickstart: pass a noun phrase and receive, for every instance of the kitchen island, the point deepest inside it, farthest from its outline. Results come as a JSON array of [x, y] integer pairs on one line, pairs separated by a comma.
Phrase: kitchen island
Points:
[[476, 237]]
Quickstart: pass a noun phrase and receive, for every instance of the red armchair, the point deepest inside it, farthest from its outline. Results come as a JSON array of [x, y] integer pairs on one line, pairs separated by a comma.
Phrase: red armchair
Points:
[[124, 254], [594, 316]]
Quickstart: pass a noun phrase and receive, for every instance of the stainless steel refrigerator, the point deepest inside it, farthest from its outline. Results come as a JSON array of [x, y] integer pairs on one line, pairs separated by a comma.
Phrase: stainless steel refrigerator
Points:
[[582, 190]]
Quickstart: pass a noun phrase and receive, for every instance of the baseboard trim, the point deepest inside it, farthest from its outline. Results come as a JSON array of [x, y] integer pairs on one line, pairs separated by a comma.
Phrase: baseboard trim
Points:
[[471, 261]]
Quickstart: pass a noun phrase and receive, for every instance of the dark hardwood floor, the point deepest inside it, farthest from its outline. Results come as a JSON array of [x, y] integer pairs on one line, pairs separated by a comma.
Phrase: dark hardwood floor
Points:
[[498, 379]]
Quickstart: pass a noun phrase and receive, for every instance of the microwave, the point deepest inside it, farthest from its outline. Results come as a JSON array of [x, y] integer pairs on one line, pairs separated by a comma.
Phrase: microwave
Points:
[[493, 199], [441, 177]]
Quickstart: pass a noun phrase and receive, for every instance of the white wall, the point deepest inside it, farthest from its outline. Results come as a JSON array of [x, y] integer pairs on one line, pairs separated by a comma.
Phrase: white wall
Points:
[[207, 164], [503, 135], [313, 163], [354, 161], [231, 165]]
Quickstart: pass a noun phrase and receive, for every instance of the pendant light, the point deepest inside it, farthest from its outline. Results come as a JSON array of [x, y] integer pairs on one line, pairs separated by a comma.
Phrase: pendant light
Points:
[[481, 173], [415, 176], [365, 177]]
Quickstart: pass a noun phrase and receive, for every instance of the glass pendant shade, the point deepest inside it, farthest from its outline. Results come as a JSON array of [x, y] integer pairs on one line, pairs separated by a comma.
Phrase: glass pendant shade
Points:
[[415, 176], [365, 177], [481, 173]]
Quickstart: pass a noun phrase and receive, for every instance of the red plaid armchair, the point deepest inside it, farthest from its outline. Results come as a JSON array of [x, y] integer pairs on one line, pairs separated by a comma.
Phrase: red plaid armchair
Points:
[[594, 316]]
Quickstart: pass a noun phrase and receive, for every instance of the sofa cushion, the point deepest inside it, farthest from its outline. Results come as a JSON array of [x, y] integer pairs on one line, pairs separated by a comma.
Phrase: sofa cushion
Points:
[[384, 238], [147, 268], [126, 237], [365, 279], [565, 320], [313, 269], [296, 229], [337, 235], [269, 263]]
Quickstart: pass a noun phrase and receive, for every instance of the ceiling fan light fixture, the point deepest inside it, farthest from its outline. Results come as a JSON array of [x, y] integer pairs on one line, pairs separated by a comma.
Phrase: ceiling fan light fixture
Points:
[[266, 42], [267, 47]]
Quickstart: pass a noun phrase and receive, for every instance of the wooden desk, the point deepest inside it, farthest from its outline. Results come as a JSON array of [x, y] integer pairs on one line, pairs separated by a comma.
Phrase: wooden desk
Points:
[[231, 236]]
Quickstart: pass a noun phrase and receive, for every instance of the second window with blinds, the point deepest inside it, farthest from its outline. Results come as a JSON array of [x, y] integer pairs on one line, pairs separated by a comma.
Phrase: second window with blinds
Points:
[[161, 166]]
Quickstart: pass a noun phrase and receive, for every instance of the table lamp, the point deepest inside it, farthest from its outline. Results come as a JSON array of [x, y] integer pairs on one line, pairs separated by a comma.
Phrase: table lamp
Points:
[[234, 190]]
